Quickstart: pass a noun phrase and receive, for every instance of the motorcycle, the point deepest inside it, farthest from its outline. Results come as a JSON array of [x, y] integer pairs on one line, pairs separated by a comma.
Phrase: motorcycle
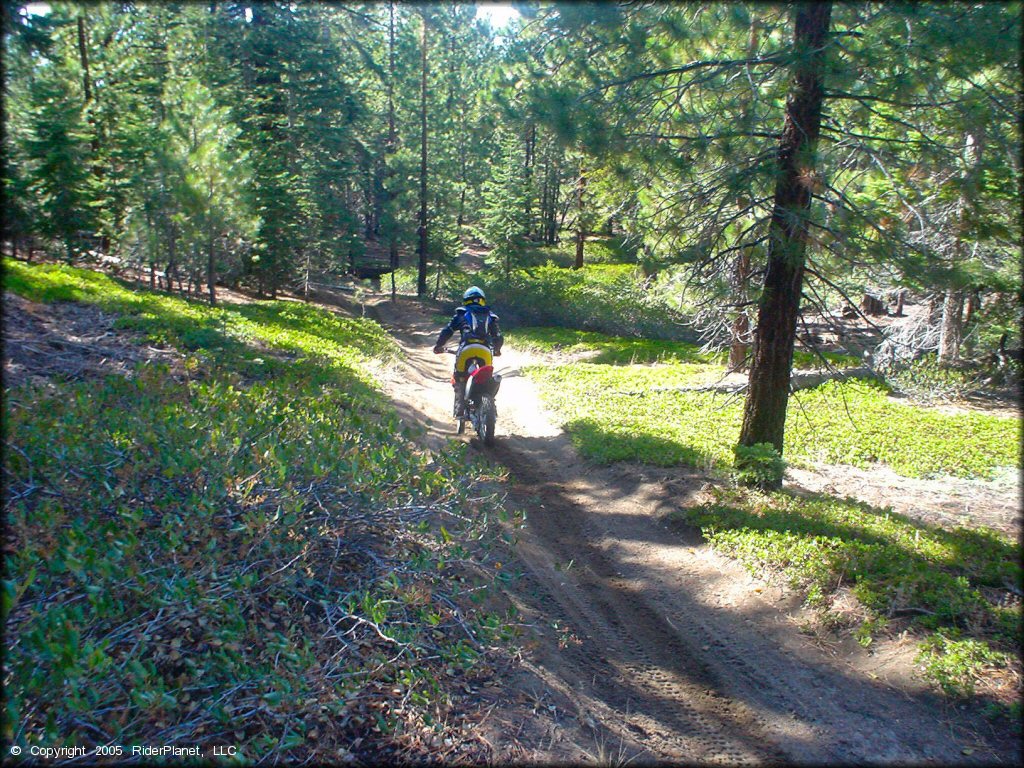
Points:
[[481, 386]]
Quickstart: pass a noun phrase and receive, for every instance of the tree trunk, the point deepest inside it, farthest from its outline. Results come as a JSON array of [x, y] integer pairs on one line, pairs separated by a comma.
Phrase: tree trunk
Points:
[[530, 141], [305, 281], [172, 257], [437, 282], [552, 185], [872, 305], [421, 276], [392, 140], [544, 202], [581, 186], [740, 346], [764, 413], [210, 269], [951, 334], [83, 56], [973, 305]]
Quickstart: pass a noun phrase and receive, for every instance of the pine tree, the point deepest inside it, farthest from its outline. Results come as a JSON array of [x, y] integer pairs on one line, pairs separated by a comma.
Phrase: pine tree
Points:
[[764, 413], [57, 149], [504, 223]]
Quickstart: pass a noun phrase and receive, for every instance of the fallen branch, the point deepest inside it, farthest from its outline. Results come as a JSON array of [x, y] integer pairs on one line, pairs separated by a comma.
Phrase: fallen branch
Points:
[[910, 609]]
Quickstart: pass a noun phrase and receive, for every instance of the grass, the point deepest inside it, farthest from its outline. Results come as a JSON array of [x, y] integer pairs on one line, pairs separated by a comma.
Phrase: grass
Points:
[[927, 381], [609, 350], [949, 586], [618, 350], [647, 414], [857, 423], [245, 553]]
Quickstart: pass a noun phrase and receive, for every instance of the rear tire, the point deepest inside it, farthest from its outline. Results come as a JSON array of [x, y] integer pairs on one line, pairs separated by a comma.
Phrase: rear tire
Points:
[[488, 416], [455, 410]]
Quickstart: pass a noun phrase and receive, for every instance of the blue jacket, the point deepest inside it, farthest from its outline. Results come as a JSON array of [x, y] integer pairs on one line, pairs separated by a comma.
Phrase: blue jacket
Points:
[[475, 323]]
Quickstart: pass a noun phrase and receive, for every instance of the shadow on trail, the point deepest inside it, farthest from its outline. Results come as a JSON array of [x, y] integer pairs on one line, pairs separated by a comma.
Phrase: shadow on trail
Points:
[[611, 446], [733, 684]]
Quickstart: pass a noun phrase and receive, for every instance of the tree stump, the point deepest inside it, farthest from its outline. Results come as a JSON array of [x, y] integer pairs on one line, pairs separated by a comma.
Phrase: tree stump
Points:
[[872, 305]]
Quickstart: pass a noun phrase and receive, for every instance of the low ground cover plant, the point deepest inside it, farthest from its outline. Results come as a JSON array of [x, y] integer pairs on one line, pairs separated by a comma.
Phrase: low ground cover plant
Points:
[[620, 350], [954, 588], [610, 350], [247, 553], [659, 414]]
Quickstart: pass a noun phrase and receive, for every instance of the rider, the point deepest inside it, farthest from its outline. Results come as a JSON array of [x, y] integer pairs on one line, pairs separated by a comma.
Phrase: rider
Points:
[[477, 324]]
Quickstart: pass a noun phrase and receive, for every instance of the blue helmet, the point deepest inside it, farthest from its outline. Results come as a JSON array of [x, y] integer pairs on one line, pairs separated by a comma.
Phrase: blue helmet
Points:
[[474, 296]]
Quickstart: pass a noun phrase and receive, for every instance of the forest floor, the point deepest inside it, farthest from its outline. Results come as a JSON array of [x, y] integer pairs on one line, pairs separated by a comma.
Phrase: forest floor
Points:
[[643, 644], [647, 644]]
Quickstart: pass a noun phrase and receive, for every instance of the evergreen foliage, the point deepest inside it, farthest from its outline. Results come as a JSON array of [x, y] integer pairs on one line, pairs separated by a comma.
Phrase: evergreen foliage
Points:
[[655, 123]]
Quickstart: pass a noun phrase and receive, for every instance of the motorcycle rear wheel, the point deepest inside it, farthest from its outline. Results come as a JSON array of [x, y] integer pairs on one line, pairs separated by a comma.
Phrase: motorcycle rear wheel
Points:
[[486, 418], [462, 422]]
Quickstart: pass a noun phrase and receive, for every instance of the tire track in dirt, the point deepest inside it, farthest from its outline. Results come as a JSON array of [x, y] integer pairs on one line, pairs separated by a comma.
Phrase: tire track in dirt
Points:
[[626, 659], [659, 641], [766, 698]]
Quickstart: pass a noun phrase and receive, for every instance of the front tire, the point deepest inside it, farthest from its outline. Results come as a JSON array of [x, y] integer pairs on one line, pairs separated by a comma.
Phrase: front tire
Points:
[[488, 415]]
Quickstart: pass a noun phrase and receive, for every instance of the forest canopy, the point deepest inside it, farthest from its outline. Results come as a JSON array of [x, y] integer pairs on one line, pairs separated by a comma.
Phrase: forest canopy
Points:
[[271, 144]]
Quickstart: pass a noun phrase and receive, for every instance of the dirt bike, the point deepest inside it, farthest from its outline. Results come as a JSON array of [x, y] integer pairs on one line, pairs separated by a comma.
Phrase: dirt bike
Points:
[[481, 386]]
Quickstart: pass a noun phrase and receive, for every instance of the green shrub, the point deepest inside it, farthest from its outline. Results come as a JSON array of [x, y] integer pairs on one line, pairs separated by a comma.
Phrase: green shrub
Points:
[[603, 298], [597, 250], [759, 465], [804, 359], [454, 281], [610, 350], [956, 665], [924, 379]]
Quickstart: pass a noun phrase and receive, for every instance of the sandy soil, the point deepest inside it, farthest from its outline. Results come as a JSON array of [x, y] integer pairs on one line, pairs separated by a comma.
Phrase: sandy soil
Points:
[[650, 646]]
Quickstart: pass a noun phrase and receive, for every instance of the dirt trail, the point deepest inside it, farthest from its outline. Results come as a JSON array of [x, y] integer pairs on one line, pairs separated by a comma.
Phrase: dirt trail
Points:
[[649, 645]]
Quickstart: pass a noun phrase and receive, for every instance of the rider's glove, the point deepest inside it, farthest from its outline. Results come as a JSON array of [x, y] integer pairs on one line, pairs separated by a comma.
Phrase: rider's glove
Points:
[[438, 349]]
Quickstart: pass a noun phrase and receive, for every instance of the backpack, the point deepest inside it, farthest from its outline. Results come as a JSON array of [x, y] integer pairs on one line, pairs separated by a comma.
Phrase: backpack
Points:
[[476, 324]]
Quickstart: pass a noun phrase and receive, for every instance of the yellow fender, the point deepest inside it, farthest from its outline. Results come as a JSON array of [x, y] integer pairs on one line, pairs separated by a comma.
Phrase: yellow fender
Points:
[[471, 351]]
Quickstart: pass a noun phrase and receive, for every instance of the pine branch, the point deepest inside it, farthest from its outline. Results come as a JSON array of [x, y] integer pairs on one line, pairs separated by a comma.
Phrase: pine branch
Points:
[[846, 132], [692, 66], [847, 96], [685, 137]]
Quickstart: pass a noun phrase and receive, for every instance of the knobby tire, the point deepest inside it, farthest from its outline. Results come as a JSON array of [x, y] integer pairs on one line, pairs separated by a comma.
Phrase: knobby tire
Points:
[[487, 418]]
